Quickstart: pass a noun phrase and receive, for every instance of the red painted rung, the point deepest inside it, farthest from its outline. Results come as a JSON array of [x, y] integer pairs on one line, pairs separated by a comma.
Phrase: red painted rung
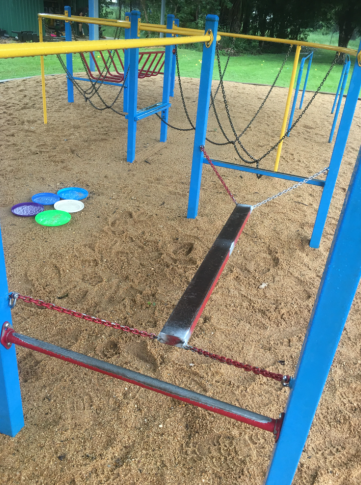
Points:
[[150, 65]]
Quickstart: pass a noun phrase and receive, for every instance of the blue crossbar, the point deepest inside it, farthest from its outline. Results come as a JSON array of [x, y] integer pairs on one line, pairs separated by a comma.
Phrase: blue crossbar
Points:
[[96, 81], [267, 173], [150, 110]]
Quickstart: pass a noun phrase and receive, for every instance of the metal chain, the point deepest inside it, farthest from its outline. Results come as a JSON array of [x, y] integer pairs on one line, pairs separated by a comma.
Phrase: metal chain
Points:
[[83, 316], [13, 297], [285, 379], [218, 175], [257, 160], [295, 186]]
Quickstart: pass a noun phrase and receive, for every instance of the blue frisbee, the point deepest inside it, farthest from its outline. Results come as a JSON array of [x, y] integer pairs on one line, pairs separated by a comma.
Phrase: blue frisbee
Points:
[[45, 198], [73, 193]]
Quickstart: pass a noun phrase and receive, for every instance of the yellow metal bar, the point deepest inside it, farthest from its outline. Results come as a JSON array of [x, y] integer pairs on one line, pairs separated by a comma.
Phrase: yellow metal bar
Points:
[[49, 48], [288, 104], [313, 45], [41, 39], [87, 20]]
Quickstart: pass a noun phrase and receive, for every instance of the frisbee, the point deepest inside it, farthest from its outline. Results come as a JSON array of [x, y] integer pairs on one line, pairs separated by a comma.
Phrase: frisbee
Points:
[[73, 193], [53, 218], [45, 198], [69, 205], [27, 209]]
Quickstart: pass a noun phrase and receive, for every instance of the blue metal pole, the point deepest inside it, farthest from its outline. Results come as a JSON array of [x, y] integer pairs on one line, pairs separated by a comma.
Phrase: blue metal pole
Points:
[[93, 7], [295, 95], [11, 410], [338, 286], [337, 154], [202, 117], [172, 83], [126, 67], [338, 87], [167, 78], [310, 58], [133, 87], [344, 82], [69, 57]]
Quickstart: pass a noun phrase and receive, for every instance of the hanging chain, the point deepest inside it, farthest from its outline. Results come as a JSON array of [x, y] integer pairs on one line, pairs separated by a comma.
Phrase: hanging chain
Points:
[[218, 175], [285, 379], [295, 186], [257, 160], [14, 297], [83, 316]]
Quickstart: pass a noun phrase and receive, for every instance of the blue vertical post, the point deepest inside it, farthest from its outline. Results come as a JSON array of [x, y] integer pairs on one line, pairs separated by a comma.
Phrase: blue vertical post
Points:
[[337, 154], [126, 67], [310, 57], [11, 410], [167, 79], [343, 87], [172, 82], [69, 57], [202, 117], [93, 7], [133, 87], [338, 87], [333, 302], [295, 95]]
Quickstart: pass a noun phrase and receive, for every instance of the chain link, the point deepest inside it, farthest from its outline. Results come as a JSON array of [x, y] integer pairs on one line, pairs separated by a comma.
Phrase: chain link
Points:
[[13, 297], [218, 174], [295, 186], [83, 316], [285, 379]]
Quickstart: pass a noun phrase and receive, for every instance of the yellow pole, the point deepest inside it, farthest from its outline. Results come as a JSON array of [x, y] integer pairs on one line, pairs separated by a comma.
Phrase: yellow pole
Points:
[[41, 39], [288, 104]]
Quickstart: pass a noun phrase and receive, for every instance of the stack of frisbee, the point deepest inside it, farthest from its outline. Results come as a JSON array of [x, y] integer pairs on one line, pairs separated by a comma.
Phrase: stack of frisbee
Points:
[[65, 202]]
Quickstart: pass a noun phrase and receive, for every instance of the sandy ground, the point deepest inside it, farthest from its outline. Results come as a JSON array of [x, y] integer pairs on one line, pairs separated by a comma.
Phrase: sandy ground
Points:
[[129, 256]]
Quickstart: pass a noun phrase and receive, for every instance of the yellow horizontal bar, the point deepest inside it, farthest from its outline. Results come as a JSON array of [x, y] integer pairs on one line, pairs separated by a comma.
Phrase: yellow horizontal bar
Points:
[[314, 45], [87, 20], [48, 48]]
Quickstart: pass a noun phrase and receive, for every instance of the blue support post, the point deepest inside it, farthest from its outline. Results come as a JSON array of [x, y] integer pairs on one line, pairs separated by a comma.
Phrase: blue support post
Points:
[[338, 87], [11, 410], [172, 83], [69, 57], [295, 95], [167, 78], [338, 286], [133, 88], [343, 87], [337, 154], [202, 117], [310, 58], [93, 7], [126, 67]]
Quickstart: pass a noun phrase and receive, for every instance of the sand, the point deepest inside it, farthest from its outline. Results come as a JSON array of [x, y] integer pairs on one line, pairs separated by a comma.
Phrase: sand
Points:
[[128, 258]]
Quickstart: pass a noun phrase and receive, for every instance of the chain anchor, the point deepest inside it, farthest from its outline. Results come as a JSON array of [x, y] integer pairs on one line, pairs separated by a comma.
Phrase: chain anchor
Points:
[[13, 298]]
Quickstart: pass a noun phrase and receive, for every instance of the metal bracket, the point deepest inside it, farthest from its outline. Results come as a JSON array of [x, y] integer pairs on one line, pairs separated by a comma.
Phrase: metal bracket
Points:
[[4, 331], [209, 43], [278, 426], [285, 383], [13, 298]]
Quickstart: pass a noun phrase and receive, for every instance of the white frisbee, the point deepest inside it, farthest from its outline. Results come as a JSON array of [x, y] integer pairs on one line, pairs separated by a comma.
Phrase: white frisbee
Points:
[[69, 205]]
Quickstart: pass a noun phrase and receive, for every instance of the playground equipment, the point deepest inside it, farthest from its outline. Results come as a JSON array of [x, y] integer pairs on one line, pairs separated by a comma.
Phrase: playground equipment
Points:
[[343, 270], [339, 93]]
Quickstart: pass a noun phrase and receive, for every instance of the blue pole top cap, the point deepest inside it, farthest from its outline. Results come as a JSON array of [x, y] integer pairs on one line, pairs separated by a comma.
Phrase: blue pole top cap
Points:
[[212, 18], [170, 15], [135, 13]]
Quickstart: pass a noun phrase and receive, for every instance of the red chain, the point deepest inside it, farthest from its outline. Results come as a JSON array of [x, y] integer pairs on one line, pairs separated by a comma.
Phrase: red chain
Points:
[[218, 175], [83, 316], [248, 368]]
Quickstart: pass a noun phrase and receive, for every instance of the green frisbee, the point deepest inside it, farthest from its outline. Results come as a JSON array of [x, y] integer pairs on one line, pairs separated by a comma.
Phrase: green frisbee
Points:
[[53, 218]]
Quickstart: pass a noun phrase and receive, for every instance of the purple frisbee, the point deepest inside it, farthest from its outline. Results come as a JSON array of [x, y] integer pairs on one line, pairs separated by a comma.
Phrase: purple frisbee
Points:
[[27, 209]]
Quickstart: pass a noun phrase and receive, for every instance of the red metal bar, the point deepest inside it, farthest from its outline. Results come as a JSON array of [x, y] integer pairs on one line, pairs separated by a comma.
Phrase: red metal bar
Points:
[[9, 337]]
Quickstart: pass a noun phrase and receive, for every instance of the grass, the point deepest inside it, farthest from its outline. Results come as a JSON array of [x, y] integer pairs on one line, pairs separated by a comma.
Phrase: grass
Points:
[[246, 68]]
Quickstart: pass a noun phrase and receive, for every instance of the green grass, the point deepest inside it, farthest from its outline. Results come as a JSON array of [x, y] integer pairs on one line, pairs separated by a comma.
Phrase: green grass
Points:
[[246, 68]]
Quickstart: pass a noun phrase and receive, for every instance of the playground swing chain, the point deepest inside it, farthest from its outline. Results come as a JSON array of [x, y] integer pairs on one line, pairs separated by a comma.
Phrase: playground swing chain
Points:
[[14, 297]]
